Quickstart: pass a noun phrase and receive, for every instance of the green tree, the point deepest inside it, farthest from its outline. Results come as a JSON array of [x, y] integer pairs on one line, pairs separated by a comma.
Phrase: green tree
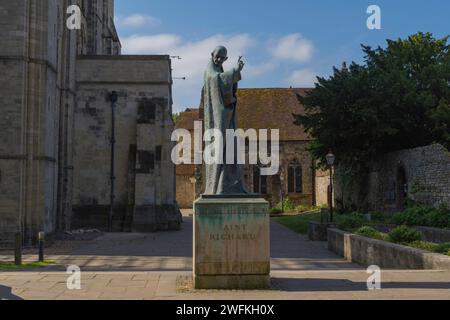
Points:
[[175, 117], [399, 98]]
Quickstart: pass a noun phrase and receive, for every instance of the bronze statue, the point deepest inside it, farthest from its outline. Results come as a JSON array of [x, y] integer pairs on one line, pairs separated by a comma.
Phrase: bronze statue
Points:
[[220, 102]]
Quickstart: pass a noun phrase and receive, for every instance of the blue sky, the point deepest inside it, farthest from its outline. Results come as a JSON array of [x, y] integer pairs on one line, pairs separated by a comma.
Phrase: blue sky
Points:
[[284, 42]]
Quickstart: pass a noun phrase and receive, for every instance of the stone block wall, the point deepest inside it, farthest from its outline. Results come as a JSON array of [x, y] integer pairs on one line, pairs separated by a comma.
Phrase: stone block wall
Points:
[[34, 68], [37, 94], [142, 123], [421, 174], [186, 191]]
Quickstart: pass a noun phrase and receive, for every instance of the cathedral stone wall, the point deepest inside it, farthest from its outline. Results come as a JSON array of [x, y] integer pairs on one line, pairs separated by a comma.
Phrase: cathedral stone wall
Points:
[[30, 95], [38, 120]]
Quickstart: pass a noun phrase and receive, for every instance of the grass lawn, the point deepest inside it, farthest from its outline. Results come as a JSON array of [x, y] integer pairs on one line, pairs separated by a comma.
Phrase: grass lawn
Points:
[[299, 223], [10, 266]]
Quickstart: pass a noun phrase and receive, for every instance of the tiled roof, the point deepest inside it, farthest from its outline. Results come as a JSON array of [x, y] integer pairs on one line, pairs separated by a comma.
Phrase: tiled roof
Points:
[[262, 109], [186, 119], [271, 109]]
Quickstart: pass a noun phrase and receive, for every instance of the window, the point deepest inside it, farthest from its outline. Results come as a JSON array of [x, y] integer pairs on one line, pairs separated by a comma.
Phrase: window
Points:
[[259, 181], [146, 112], [145, 162], [295, 178], [158, 153]]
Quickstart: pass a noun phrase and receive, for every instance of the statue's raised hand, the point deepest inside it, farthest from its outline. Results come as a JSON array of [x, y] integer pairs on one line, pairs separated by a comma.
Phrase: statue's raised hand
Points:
[[241, 64]]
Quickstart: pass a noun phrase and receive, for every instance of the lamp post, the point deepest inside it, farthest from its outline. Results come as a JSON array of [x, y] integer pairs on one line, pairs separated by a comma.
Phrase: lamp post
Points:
[[282, 190], [331, 158], [113, 99]]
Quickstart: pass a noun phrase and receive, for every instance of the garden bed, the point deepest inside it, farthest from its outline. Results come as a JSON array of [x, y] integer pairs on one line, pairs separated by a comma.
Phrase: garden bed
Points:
[[368, 251]]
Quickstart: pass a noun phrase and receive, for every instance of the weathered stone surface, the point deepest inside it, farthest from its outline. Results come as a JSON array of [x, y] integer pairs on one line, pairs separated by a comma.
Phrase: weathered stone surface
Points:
[[37, 95], [426, 173], [231, 243], [318, 231], [366, 252], [143, 125], [435, 235]]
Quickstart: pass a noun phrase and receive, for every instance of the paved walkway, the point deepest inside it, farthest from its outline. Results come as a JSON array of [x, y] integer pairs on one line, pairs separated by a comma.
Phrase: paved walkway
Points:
[[159, 266]]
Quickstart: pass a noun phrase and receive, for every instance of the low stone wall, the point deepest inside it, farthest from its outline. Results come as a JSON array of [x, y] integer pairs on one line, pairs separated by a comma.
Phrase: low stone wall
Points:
[[435, 235], [317, 231], [366, 251]]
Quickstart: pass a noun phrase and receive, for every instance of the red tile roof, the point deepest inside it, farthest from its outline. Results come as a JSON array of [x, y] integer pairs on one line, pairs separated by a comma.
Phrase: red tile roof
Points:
[[271, 109]]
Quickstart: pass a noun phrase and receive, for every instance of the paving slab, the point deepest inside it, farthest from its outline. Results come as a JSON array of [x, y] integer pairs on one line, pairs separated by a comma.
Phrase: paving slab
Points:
[[150, 266]]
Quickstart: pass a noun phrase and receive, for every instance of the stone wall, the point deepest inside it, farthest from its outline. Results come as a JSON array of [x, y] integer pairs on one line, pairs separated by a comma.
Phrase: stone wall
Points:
[[36, 59], [37, 94], [367, 252], [143, 128], [100, 35], [185, 191], [421, 174]]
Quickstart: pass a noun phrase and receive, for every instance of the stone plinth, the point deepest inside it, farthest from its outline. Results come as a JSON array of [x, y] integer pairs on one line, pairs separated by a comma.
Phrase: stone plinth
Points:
[[231, 243]]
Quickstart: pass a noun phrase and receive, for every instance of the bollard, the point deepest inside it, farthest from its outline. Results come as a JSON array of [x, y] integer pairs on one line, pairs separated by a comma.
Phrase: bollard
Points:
[[18, 249], [41, 246]]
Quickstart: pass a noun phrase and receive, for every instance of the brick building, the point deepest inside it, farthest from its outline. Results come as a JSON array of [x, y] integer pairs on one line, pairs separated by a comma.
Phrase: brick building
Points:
[[55, 119], [265, 109]]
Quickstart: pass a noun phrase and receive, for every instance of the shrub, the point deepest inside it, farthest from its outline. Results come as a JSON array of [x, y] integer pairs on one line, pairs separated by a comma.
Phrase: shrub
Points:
[[404, 235], [380, 217], [424, 245], [438, 218], [302, 208], [371, 233], [424, 216], [275, 211], [287, 205], [414, 216], [443, 248], [350, 222]]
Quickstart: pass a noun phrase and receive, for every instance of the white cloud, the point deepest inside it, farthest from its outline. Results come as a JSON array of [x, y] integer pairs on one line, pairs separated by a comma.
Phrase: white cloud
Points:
[[157, 44], [252, 71], [194, 59], [292, 47], [196, 54], [304, 78], [138, 21]]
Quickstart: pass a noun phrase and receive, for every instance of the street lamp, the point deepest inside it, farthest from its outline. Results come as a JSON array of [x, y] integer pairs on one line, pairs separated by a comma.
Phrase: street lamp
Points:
[[331, 158], [113, 97], [282, 190]]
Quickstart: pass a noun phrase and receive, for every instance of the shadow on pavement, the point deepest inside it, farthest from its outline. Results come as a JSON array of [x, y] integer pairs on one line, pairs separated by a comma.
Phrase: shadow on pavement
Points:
[[315, 285], [6, 294]]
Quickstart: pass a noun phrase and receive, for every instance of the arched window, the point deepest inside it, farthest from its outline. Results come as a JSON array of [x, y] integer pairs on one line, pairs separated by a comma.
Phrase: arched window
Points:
[[295, 178], [259, 181]]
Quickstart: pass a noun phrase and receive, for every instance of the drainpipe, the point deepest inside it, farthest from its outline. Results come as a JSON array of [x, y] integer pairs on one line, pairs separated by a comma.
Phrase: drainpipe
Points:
[[113, 99]]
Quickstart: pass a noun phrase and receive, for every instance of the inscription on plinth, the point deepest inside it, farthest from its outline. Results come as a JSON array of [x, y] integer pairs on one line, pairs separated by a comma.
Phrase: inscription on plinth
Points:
[[231, 243]]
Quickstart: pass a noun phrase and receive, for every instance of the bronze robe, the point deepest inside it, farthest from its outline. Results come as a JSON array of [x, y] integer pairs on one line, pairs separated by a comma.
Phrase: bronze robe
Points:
[[219, 103]]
